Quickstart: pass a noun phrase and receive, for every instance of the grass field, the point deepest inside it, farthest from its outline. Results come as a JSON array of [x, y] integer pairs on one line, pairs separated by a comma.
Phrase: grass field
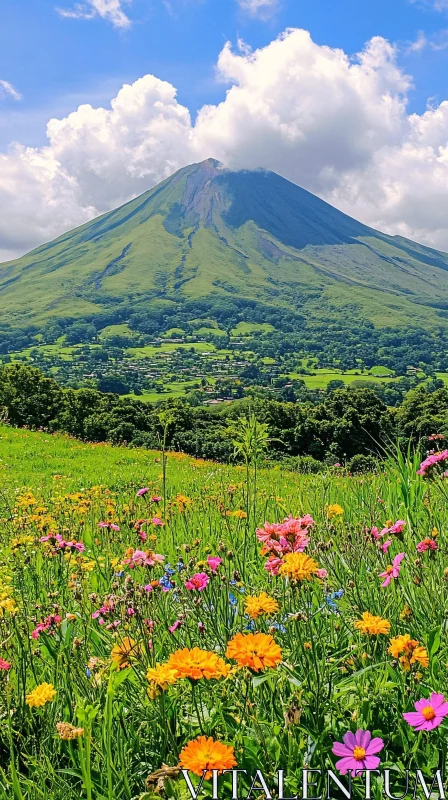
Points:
[[144, 631]]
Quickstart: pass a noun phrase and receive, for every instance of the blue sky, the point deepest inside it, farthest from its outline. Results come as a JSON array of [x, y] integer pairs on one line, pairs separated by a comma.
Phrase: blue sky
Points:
[[57, 63], [102, 99]]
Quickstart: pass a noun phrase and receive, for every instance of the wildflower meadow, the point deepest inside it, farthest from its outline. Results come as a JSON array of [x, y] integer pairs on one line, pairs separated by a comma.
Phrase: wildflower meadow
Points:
[[160, 613]]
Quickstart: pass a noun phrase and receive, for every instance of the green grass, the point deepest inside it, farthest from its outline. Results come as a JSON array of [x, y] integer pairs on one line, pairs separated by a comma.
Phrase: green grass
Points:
[[323, 377], [116, 330], [246, 328], [169, 347]]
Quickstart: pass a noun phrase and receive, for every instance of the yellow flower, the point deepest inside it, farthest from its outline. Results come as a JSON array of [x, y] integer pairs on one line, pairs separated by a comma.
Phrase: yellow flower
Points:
[[160, 677], [123, 652], [406, 612], [372, 625], [256, 605], [42, 694], [334, 510], [239, 514], [68, 732], [409, 651], [298, 567]]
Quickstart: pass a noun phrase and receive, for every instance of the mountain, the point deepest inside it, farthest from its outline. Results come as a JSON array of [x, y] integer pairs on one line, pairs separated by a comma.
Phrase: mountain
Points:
[[208, 232]]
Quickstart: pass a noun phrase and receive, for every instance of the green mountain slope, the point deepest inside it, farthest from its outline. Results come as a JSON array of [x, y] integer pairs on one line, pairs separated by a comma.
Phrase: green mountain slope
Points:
[[208, 231]]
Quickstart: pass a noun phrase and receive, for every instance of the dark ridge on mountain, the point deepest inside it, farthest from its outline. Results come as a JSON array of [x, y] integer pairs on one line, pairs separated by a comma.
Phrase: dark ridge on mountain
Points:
[[209, 232]]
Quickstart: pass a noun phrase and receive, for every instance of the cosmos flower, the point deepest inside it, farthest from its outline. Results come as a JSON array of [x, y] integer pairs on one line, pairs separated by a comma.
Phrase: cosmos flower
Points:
[[434, 465], [204, 754], [428, 714], [392, 571], [358, 751], [409, 651]]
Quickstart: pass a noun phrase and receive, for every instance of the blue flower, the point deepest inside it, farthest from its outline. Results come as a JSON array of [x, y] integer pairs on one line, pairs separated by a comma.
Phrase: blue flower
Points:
[[232, 599], [169, 570], [165, 582], [279, 627]]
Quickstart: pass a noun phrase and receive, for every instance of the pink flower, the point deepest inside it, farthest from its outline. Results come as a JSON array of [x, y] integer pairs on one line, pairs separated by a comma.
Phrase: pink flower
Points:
[[4, 665], [398, 526], [157, 521], [273, 565], [198, 581], [214, 562], [427, 544], [130, 612], [393, 570], [142, 492], [322, 574], [428, 714], [148, 588], [175, 626], [358, 751], [156, 499], [433, 465], [385, 546], [110, 525]]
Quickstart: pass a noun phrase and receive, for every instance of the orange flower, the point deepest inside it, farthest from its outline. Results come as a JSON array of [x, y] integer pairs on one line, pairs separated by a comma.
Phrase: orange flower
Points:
[[196, 664], [372, 625], [409, 651], [254, 650], [160, 677], [204, 753], [123, 652], [256, 605], [298, 567]]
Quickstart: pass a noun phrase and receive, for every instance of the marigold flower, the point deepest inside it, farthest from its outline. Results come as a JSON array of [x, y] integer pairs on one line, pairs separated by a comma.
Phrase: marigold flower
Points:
[[256, 605], [409, 651], [42, 694], [204, 753], [298, 567], [68, 732], [123, 652], [160, 677], [372, 625], [257, 651], [196, 664]]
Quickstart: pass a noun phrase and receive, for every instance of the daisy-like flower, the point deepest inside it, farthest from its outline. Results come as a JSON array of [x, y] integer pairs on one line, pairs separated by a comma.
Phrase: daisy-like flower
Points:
[[358, 751], [123, 653], [428, 714], [372, 625], [206, 754], [196, 664], [257, 605], [298, 567], [41, 695], [392, 571], [160, 677], [257, 651], [335, 510], [409, 651]]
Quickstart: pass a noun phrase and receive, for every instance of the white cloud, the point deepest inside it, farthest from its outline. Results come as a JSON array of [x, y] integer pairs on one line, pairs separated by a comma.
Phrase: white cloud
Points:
[[259, 8], [7, 88], [338, 126], [111, 10]]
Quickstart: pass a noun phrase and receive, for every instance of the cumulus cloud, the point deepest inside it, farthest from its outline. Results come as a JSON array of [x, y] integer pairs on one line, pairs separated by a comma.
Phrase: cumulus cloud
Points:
[[335, 124], [111, 10], [7, 89]]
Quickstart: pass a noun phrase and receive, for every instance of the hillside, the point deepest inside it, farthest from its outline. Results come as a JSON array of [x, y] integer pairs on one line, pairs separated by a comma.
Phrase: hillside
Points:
[[207, 232]]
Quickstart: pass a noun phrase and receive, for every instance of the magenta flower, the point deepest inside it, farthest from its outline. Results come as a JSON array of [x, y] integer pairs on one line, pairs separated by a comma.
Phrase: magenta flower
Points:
[[428, 714], [427, 544], [322, 574], [157, 522], [4, 665], [214, 562], [358, 751], [109, 525], [199, 581], [385, 546], [393, 570], [434, 464], [156, 499], [142, 492], [172, 628]]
